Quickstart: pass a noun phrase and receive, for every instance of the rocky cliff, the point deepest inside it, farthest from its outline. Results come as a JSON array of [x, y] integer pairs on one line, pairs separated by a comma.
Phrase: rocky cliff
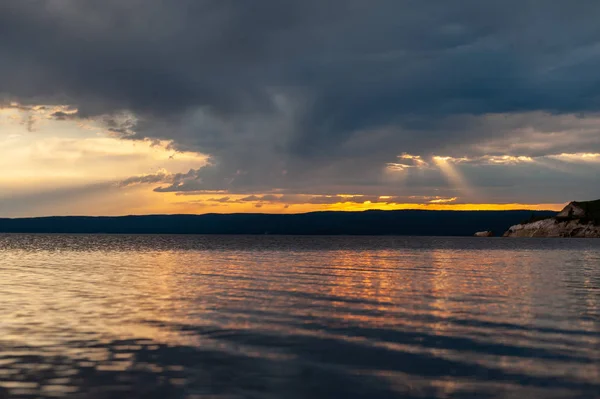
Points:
[[578, 219]]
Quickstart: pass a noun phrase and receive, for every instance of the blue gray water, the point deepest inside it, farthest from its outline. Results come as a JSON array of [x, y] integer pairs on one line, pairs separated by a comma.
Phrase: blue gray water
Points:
[[298, 317]]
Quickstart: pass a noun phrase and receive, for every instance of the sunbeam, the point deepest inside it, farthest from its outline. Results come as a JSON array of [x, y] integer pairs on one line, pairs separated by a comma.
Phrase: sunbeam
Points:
[[453, 175]]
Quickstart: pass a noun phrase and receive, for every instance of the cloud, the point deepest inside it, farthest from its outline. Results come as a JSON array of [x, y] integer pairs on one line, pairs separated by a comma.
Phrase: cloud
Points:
[[578, 157], [159, 177], [305, 199], [315, 96], [63, 154]]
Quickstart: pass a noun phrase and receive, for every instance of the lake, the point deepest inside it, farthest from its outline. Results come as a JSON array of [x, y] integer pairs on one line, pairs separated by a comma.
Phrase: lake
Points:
[[109, 316]]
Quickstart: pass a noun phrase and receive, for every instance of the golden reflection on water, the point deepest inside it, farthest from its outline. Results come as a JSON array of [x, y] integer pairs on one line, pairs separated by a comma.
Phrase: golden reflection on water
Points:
[[529, 312]]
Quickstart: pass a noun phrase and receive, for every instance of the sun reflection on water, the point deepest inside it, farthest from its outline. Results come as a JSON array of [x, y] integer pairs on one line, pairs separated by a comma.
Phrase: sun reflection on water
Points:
[[101, 316]]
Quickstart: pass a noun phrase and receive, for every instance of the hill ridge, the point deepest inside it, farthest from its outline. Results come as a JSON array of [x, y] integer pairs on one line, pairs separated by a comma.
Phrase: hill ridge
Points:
[[372, 222]]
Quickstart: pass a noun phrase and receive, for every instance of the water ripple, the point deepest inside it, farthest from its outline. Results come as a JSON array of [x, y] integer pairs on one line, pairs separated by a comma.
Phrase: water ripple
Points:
[[298, 317]]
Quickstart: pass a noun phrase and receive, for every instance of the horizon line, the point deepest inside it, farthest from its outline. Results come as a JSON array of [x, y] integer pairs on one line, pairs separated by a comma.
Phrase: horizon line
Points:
[[416, 209]]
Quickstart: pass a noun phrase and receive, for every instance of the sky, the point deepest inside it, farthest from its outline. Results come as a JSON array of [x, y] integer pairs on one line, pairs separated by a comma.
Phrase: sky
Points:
[[200, 106]]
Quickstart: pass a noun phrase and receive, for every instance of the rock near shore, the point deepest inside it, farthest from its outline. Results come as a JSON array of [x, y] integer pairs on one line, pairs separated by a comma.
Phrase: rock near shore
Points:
[[578, 220], [484, 234]]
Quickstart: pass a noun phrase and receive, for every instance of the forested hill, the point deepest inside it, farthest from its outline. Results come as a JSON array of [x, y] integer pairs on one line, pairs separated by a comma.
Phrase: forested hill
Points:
[[409, 222]]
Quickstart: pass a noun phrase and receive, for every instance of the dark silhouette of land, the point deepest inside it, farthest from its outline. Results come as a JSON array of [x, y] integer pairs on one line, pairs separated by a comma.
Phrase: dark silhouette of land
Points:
[[409, 222]]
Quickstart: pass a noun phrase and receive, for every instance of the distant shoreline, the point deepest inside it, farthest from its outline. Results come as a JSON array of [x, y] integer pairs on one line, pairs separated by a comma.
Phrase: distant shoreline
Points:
[[401, 223]]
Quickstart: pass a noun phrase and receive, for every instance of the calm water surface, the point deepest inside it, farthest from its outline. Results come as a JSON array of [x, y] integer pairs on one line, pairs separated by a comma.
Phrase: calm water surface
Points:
[[298, 317]]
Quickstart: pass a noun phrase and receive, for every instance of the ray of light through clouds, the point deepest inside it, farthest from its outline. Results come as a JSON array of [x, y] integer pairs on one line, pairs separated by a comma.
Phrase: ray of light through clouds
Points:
[[202, 106]]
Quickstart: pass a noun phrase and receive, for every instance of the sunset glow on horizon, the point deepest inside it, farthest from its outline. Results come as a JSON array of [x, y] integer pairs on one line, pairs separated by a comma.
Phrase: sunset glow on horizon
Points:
[[65, 167]]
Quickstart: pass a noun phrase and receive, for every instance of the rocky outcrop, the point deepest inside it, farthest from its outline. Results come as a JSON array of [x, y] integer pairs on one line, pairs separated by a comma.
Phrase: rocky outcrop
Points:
[[554, 228], [484, 234], [578, 219]]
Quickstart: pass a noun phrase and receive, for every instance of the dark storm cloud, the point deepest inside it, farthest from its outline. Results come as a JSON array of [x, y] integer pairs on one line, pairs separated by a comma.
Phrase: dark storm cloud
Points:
[[312, 94]]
